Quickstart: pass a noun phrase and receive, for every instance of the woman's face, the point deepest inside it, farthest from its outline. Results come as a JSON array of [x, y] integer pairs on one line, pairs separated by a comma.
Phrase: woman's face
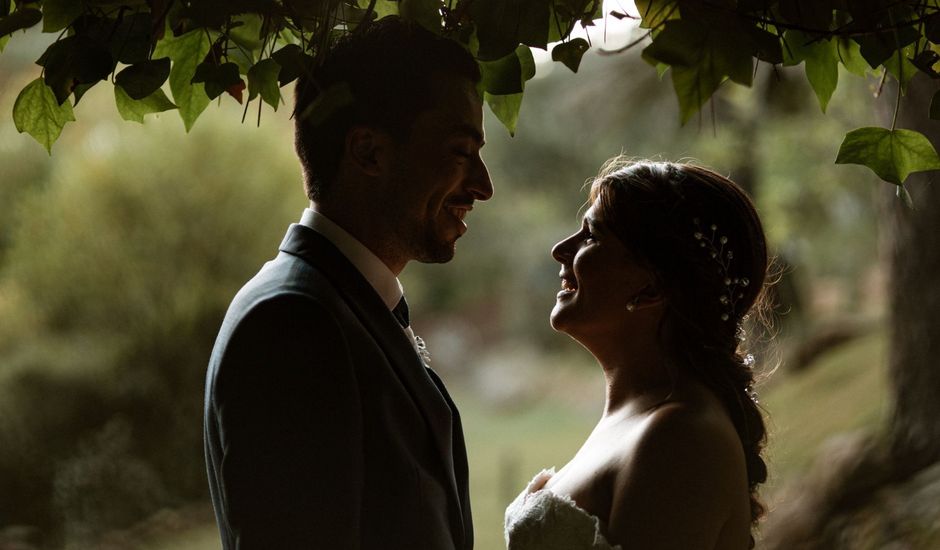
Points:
[[598, 279]]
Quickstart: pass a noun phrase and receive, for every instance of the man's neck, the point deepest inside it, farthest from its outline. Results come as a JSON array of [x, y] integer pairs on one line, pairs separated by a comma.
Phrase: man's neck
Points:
[[359, 223]]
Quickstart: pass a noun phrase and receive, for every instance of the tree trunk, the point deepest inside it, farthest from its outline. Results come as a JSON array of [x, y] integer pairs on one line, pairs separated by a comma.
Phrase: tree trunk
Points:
[[849, 490], [913, 240]]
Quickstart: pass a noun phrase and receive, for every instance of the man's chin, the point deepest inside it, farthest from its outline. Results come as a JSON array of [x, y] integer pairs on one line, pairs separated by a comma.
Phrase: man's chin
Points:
[[438, 253]]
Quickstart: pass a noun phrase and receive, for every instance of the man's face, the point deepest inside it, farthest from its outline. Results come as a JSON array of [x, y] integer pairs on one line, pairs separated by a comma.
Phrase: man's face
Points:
[[438, 174]]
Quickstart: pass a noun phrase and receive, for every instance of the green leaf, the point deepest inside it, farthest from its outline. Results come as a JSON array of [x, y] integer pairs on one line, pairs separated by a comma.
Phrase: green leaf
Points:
[[38, 113], [508, 75], [935, 106], [559, 26], [262, 79], [506, 108], [142, 79], [132, 40], [570, 53], [823, 75], [248, 32], [813, 14], [661, 69], [764, 45], [20, 19], [79, 92], [701, 57], [135, 109], [383, 8], [502, 25], [654, 13], [426, 13], [129, 38], [217, 78], [677, 44], [821, 58], [243, 58], [186, 52], [526, 62], [74, 60], [892, 154], [900, 66], [293, 62], [905, 197], [932, 28], [925, 62], [5, 7], [58, 14], [850, 55], [877, 49]]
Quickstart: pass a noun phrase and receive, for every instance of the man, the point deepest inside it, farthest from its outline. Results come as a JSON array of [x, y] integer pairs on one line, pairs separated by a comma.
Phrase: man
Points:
[[323, 426]]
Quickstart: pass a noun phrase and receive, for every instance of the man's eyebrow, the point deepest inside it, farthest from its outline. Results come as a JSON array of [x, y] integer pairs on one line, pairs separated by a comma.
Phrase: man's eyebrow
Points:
[[468, 130]]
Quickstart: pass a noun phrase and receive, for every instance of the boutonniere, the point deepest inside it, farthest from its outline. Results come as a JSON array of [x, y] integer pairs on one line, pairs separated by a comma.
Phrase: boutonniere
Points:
[[422, 349]]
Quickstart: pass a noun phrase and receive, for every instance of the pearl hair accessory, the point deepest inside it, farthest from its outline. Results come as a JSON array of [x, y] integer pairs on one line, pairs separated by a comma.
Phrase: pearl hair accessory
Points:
[[631, 306], [749, 390], [717, 247]]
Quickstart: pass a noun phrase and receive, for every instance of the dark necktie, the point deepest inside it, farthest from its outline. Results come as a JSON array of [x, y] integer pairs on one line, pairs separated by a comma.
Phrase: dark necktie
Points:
[[401, 313]]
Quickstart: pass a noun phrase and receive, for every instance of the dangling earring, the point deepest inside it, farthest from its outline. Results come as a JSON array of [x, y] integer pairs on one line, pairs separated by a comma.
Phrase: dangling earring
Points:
[[631, 306]]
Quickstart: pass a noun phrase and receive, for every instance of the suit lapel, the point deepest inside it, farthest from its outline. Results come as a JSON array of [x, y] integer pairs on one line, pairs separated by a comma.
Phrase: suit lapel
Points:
[[430, 397], [461, 468]]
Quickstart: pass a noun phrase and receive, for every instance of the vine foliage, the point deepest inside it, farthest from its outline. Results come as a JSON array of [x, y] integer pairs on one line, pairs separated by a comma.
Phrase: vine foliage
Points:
[[248, 50], [706, 43]]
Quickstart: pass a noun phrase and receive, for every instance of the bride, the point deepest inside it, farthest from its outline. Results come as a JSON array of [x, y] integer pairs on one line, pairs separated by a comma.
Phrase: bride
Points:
[[668, 261]]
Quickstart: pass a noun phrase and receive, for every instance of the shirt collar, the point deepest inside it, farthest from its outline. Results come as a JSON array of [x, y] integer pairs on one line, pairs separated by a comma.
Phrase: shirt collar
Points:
[[375, 271]]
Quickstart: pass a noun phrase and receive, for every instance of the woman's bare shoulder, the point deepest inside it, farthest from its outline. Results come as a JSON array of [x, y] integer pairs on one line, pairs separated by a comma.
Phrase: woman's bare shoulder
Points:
[[684, 478], [686, 426]]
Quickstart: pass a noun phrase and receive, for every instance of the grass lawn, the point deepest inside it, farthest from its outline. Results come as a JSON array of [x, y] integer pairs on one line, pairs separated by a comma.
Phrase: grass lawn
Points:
[[203, 537], [507, 450], [844, 391]]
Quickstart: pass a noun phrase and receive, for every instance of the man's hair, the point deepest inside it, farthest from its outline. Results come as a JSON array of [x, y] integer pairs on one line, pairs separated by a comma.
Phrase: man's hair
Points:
[[380, 76]]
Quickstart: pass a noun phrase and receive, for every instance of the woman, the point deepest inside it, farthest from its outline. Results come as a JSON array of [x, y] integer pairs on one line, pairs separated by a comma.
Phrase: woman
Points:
[[669, 260]]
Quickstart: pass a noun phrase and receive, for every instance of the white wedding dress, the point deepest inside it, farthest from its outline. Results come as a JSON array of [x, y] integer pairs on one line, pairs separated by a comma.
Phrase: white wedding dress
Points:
[[541, 520]]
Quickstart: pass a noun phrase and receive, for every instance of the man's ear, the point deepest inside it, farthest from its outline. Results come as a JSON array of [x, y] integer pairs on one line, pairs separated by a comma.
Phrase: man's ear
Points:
[[368, 150]]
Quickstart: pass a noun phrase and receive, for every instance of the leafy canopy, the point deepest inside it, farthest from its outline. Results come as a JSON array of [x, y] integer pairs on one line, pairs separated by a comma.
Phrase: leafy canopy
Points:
[[208, 48]]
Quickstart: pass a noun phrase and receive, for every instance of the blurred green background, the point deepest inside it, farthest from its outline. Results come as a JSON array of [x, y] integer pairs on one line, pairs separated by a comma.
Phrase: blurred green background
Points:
[[120, 253]]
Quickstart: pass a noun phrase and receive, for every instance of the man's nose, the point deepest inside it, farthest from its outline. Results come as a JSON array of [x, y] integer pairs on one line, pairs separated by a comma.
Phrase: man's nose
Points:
[[480, 185]]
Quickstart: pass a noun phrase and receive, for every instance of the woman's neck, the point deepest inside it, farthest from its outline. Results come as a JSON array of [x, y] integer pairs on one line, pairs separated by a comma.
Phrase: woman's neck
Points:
[[637, 374]]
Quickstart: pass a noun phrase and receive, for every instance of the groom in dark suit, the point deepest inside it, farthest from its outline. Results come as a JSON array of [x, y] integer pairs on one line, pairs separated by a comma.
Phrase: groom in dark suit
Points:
[[324, 428]]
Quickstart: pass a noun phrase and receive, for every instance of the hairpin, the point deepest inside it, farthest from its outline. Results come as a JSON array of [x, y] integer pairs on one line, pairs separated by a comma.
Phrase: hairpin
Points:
[[718, 249]]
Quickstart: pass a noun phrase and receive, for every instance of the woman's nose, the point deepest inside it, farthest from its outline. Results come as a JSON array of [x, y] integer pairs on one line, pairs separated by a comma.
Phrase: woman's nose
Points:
[[562, 250]]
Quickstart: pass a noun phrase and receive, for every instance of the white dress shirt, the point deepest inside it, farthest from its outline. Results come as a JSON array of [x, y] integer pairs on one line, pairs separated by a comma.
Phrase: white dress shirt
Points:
[[385, 283], [375, 271]]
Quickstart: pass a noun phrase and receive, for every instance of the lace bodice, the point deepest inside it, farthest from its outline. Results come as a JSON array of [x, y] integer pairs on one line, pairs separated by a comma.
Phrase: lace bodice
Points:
[[541, 520]]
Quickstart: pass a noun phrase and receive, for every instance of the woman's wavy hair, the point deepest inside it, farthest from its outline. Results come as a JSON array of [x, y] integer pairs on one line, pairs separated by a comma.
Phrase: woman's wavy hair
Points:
[[700, 235]]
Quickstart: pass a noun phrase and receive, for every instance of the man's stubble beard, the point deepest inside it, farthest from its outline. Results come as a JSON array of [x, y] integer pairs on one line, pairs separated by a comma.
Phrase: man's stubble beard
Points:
[[436, 252], [424, 244], [417, 237]]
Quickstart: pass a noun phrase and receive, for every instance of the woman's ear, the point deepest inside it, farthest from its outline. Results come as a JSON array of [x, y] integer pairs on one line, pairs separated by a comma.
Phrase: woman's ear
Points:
[[648, 296]]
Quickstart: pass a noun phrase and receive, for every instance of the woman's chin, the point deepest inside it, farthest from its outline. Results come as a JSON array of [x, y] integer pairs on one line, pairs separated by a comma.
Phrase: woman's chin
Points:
[[558, 318]]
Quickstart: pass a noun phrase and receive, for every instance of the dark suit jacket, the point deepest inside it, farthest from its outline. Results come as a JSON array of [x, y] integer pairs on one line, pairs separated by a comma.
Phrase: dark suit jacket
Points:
[[323, 429]]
